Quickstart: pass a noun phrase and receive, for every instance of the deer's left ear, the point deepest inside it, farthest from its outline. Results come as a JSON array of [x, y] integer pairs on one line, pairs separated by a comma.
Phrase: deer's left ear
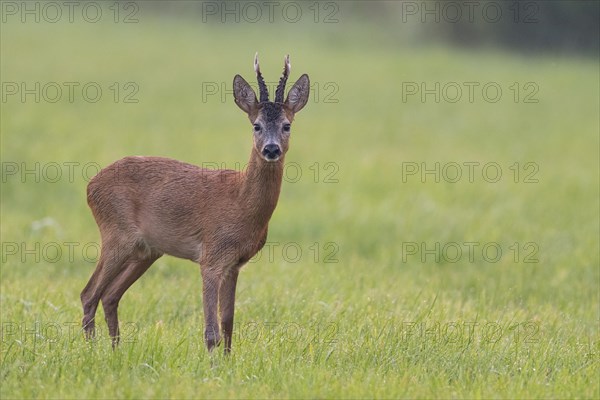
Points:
[[298, 95]]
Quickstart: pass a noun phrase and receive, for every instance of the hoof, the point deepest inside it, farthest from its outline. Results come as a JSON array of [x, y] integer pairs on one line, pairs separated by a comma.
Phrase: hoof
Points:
[[212, 340], [89, 328]]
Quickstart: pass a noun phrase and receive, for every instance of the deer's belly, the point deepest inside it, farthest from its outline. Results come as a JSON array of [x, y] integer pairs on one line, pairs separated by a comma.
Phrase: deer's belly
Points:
[[180, 247]]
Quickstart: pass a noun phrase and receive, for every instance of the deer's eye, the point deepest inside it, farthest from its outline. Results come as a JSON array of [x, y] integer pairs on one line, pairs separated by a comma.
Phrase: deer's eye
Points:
[[286, 127], [256, 128]]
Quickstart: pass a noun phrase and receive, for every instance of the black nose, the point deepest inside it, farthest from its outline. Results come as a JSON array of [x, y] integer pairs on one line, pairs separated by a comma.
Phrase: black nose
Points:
[[271, 151]]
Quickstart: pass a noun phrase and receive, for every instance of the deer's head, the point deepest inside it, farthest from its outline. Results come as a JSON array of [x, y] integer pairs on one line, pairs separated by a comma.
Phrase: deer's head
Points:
[[271, 120]]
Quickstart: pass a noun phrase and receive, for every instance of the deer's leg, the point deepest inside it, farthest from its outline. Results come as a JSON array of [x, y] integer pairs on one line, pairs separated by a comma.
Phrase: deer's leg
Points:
[[112, 259], [115, 290], [210, 298], [227, 305], [89, 310]]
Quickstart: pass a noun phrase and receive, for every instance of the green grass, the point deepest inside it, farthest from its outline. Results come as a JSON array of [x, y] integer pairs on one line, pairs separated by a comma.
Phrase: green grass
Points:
[[379, 322]]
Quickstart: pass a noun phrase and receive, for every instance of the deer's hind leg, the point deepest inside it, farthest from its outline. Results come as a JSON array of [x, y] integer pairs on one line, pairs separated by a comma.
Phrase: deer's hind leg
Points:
[[89, 309], [113, 257], [112, 294]]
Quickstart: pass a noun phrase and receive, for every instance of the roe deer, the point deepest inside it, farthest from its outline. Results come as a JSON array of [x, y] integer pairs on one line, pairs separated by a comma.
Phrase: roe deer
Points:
[[149, 206]]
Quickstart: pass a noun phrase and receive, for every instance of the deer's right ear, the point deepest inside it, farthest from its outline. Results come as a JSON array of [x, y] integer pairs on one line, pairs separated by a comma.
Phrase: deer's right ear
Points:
[[245, 97]]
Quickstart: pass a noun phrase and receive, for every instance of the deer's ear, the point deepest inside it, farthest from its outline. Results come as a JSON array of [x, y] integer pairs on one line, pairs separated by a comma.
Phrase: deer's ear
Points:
[[298, 95], [244, 96]]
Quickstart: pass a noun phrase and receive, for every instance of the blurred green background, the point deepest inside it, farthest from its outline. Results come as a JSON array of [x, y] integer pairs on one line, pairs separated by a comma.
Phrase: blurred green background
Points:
[[398, 89]]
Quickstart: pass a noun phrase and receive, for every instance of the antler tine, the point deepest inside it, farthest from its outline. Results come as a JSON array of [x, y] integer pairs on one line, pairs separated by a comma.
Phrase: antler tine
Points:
[[262, 87], [256, 66], [281, 87]]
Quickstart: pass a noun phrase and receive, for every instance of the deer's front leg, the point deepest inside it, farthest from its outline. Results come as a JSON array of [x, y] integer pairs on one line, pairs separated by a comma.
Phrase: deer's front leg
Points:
[[227, 305], [210, 296]]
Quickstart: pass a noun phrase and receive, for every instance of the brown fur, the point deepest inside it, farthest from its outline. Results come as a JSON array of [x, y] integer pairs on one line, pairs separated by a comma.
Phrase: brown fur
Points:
[[149, 206]]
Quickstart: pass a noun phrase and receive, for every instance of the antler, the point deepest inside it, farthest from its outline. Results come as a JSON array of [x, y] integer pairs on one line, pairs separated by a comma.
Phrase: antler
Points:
[[281, 87], [262, 87]]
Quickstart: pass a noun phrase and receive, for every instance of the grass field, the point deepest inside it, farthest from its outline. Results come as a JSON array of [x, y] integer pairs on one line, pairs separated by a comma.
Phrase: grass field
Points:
[[379, 281]]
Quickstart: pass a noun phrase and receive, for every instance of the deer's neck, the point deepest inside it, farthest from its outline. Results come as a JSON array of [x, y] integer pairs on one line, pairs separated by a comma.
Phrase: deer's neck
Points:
[[260, 189]]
